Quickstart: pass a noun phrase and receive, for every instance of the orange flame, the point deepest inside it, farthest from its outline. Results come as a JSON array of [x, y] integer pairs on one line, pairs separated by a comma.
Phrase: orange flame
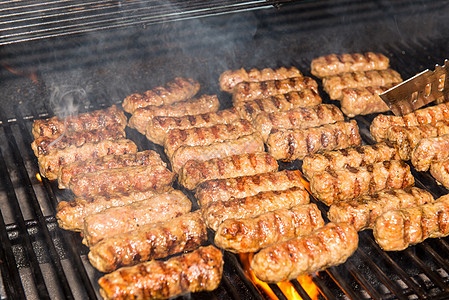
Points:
[[38, 176], [262, 286], [31, 75]]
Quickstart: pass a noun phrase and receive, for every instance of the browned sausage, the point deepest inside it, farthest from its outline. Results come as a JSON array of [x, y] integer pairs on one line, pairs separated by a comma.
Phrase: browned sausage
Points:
[[429, 150], [440, 171], [363, 100]]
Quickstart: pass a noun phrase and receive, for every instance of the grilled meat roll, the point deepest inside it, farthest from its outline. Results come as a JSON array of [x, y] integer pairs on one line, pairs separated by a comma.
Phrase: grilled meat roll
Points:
[[440, 171], [230, 78], [325, 247], [200, 270], [345, 184], [203, 136], [201, 105], [239, 187], [177, 90], [184, 233], [430, 150], [194, 172], [363, 211], [50, 163], [82, 122], [246, 91], [349, 157], [297, 118], [282, 102], [363, 100], [130, 217], [44, 144], [159, 127], [244, 145], [255, 233], [381, 123], [334, 64], [333, 85], [291, 144], [71, 214], [395, 230], [121, 180], [407, 137], [217, 212], [143, 158]]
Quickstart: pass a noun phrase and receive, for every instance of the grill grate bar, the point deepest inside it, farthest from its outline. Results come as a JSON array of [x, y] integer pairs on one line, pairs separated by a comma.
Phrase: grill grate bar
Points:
[[441, 262], [362, 281], [323, 287], [298, 287], [343, 283]]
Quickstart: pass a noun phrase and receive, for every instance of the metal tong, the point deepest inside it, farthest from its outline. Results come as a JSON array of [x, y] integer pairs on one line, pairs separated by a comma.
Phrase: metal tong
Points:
[[419, 90]]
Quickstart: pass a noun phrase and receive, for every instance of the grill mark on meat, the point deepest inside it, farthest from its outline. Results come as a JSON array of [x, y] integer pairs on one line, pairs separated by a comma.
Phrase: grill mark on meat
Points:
[[291, 146]]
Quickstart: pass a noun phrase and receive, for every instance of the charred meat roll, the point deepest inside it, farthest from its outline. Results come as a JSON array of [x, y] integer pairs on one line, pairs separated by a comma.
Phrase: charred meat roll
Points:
[[200, 270], [334, 64], [291, 144], [297, 118], [349, 157], [333, 85], [82, 122], [430, 150], [239, 187], [50, 163], [159, 127], [201, 105], [282, 102], [382, 123], [159, 240], [440, 171], [130, 217], [121, 180], [345, 184], [252, 143], [395, 230], [178, 89], [217, 212], [246, 91], [230, 78], [71, 214], [255, 233], [407, 137], [194, 172], [203, 136], [325, 247], [363, 211], [143, 158], [363, 100]]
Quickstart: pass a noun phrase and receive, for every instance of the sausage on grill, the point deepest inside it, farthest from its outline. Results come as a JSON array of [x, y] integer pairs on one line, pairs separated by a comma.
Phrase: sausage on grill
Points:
[[110, 181], [230, 78], [159, 127], [201, 105], [333, 64], [82, 122], [239, 187], [345, 184], [291, 144], [325, 247], [246, 144], [203, 136], [333, 85], [200, 270], [184, 233], [178, 89], [297, 118], [363, 211], [395, 230], [71, 214], [440, 171], [350, 157], [194, 172], [363, 100], [282, 102], [252, 234], [130, 217], [427, 115], [50, 163], [246, 91], [144, 158], [430, 150]]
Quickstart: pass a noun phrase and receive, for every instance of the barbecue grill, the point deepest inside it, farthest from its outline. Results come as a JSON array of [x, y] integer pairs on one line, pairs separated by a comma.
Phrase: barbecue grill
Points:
[[87, 55]]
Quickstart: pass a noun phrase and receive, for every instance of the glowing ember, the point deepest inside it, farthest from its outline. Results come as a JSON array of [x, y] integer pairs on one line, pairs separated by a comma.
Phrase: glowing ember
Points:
[[38, 176], [309, 286], [30, 75]]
